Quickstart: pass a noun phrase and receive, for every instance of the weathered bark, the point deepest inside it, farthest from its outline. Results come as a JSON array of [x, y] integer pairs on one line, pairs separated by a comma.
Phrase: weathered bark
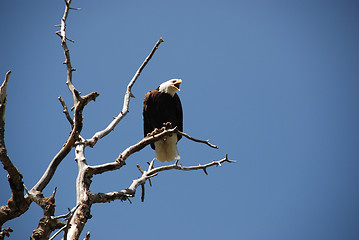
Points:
[[83, 195], [48, 223], [17, 204]]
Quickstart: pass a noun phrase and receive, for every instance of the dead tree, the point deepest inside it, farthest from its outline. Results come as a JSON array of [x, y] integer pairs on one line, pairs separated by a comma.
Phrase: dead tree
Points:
[[72, 223]]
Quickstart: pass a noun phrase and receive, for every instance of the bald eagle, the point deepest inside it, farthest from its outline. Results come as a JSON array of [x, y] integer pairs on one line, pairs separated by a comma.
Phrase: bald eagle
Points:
[[160, 106]]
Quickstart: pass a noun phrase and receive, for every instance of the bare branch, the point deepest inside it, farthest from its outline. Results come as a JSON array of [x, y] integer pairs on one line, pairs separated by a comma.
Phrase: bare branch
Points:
[[144, 142], [78, 9], [83, 182], [111, 196], [62, 34], [17, 204], [69, 214], [58, 232], [126, 102], [142, 192], [66, 111], [142, 185], [79, 104], [87, 236], [180, 167], [130, 192], [120, 161], [198, 140], [74, 136], [37, 197], [3, 89], [85, 173], [139, 168]]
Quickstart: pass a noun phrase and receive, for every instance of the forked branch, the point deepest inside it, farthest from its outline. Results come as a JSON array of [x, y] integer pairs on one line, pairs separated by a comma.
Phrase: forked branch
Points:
[[74, 136], [48, 223], [120, 161], [146, 175]]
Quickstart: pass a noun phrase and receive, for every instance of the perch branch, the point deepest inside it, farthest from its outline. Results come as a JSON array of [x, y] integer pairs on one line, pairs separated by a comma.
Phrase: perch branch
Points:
[[120, 161], [17, 204], [126, 102], [144, 142]]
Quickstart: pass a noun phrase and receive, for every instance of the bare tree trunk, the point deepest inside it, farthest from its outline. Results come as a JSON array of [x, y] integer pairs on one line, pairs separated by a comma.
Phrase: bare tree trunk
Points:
[[83, 200]]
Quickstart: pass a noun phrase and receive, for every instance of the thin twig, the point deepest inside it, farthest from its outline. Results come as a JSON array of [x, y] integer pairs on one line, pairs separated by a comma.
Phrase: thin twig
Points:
[[142, 192], [68, 217], [3, 87], [57, 233], [198, 140], [87, 236], [66, 111]]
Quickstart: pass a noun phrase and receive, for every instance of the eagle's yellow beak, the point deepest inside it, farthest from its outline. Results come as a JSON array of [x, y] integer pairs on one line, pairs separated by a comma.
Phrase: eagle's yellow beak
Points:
[[177, 84]]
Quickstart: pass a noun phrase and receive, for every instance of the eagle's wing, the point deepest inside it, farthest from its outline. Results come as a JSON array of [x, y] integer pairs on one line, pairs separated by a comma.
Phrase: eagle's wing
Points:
[[147, 107], [179, 114]]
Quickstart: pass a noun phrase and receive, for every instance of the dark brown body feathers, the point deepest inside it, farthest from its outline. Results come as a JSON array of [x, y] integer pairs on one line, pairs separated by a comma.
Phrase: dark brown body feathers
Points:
[[159, 108]]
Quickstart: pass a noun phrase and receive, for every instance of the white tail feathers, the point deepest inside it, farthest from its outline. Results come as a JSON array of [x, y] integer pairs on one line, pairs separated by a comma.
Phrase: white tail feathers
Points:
[[166, 149]]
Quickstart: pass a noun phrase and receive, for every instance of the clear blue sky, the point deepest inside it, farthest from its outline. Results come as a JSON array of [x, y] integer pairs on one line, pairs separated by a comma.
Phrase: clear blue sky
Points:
[[274, 83]]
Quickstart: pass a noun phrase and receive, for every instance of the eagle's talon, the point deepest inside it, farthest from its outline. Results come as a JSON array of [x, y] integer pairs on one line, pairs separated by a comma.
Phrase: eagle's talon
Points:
[[167, 125], [154, 132]]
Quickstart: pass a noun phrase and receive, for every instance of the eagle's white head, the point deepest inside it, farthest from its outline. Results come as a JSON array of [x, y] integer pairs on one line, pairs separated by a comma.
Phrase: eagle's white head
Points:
[[171, 86]]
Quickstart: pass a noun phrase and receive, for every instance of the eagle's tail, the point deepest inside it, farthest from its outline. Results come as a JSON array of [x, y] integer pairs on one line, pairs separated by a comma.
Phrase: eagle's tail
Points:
[[166, 149]]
